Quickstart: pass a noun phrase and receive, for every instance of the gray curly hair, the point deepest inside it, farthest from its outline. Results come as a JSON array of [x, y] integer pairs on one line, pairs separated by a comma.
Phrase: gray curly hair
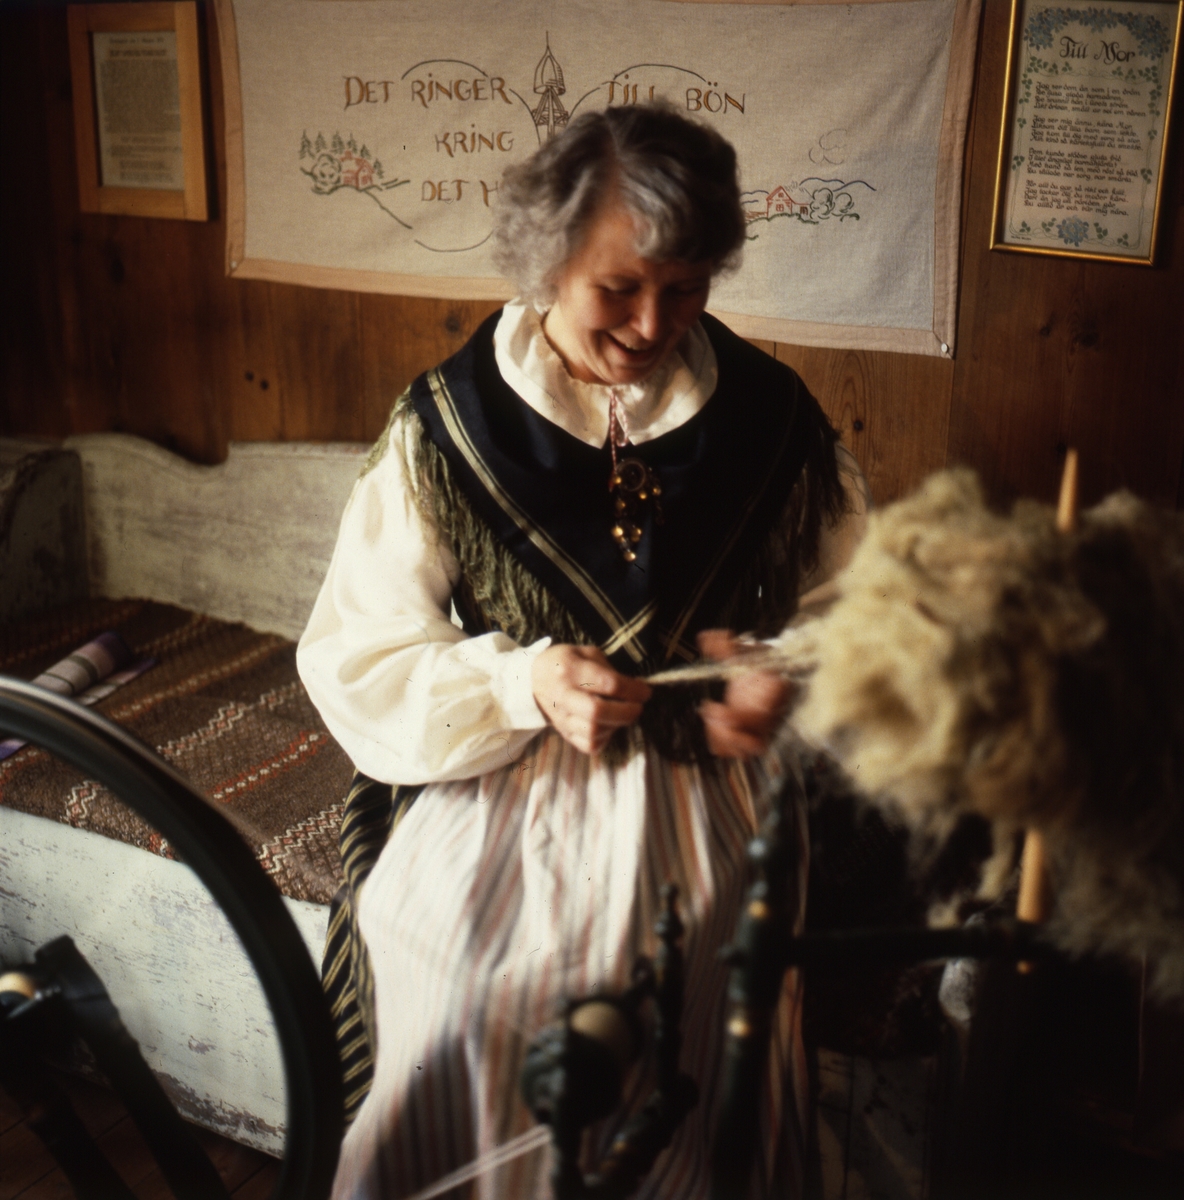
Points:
[[677, 176]]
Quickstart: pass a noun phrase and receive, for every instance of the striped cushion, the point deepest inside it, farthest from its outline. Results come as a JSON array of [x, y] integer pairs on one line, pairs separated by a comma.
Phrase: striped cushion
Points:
[[225, 706]]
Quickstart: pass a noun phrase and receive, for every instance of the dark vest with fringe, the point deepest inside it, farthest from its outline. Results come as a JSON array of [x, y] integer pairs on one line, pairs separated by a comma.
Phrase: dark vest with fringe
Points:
[[526, 507]]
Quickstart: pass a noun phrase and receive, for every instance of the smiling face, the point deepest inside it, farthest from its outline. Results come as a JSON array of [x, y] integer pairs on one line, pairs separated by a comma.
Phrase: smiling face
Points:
[[618, 316]]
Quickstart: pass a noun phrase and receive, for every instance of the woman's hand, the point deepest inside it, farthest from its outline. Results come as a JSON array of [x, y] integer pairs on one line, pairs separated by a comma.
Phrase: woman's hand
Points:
[[583, 697], [753, 705]]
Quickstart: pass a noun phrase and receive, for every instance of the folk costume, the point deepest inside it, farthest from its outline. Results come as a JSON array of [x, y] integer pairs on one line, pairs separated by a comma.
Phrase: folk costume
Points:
[[524, 872]]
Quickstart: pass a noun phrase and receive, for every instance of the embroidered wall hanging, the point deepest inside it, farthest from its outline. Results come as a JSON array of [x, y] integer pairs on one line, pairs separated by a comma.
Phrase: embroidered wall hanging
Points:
[[366, 140]]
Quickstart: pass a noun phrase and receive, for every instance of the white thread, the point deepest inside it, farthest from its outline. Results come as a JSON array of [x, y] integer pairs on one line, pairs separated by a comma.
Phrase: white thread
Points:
[[499, 1156]]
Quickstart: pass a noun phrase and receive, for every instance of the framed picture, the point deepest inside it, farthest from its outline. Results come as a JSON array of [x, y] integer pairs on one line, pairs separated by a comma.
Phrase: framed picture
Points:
[[138, 133], [1085, 128]]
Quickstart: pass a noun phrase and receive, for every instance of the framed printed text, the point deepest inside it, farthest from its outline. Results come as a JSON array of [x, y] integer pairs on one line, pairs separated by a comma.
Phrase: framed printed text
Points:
[[1085, 128], [138, 135]]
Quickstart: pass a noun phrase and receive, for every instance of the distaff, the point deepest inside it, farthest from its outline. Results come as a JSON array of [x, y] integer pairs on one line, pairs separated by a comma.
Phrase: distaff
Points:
[[1035, 898], [1024, 671]]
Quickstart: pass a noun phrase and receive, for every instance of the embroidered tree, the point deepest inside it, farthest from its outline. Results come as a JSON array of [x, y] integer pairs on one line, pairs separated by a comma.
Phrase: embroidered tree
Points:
[[337, 145], [319, 144], [364, 152], [353, 146], [305, 145], [377, 169]]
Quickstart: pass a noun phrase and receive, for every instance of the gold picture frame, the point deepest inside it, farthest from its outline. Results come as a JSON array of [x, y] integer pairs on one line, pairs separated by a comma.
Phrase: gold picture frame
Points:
[[1084, 136], [138, 130]]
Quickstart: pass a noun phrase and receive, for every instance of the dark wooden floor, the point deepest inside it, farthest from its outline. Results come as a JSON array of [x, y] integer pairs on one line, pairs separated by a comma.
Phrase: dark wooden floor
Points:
[[27, 1171]]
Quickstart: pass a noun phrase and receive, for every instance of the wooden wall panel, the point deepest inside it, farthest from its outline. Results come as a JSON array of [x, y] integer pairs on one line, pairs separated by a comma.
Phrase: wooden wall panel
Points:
[[319, 368], [132, 324], [247, 366], [34, 365], [402, 337], [891, 410], [245, 349]]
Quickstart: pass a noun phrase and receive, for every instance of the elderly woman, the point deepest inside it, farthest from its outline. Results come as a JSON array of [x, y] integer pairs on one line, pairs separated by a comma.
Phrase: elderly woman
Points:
[[600, 476]]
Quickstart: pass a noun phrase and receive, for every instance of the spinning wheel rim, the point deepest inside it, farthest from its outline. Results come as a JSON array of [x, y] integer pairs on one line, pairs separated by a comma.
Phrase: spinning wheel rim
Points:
[[214, 850]]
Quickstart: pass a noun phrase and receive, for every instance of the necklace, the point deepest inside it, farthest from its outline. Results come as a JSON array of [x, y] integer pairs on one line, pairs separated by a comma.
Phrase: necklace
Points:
[[631, 483]]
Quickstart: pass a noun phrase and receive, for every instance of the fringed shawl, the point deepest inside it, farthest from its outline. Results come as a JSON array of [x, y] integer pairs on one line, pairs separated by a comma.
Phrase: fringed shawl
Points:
[[747, 485]]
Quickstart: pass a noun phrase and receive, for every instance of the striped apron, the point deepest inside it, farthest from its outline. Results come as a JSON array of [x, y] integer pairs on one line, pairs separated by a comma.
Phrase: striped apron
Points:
[[498, 898]]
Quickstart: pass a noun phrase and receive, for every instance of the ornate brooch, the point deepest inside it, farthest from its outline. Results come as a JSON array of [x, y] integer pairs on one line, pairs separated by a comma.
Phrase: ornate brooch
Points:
[[633, 485]]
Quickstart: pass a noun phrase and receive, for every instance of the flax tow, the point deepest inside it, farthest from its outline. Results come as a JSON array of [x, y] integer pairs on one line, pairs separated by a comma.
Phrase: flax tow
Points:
[[984, 663]]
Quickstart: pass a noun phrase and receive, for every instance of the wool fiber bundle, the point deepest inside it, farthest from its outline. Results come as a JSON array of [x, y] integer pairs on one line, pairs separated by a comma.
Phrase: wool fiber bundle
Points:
[[980, 663]]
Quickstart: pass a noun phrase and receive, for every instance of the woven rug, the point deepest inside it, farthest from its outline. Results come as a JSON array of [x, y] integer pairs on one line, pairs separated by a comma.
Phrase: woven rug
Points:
[[225, 706]]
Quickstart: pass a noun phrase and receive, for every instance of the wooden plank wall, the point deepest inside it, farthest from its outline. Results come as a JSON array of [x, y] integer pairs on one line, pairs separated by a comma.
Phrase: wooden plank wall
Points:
[[130, 324]]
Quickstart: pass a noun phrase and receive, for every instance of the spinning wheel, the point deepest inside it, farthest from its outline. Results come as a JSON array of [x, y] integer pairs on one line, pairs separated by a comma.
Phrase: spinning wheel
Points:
[[214, 850]]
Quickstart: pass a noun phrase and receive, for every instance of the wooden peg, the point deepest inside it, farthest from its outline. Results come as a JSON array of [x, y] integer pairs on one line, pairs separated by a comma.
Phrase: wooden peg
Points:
[[1067, 502], [1035, 899]]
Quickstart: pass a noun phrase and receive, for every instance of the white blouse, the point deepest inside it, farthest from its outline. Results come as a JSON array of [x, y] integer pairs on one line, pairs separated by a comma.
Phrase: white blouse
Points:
[[408, 695]]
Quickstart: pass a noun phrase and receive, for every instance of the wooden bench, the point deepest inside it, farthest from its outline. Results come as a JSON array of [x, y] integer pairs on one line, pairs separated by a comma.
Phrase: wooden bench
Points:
[[109, 516]]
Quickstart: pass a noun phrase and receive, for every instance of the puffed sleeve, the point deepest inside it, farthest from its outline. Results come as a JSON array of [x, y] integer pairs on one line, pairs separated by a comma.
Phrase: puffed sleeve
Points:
[[410, 697]]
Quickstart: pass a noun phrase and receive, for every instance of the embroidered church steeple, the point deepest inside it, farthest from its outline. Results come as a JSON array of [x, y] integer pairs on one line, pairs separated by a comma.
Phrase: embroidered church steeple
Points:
[[548, 83]]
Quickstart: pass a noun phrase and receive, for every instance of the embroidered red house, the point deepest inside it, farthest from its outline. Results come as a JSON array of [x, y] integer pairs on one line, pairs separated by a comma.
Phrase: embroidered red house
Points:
[[780, 201], [356, 172]]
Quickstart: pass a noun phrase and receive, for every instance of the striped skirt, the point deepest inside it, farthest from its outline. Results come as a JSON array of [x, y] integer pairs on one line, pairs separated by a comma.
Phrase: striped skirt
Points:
[[495, 900]]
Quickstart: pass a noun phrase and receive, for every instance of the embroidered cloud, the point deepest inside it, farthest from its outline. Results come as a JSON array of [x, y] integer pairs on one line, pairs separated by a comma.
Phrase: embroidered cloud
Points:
[[826, 202], [835, 198], [829, 148]]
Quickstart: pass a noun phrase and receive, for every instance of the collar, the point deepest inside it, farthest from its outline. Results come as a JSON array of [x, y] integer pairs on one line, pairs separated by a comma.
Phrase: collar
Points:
[[673, 394]]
